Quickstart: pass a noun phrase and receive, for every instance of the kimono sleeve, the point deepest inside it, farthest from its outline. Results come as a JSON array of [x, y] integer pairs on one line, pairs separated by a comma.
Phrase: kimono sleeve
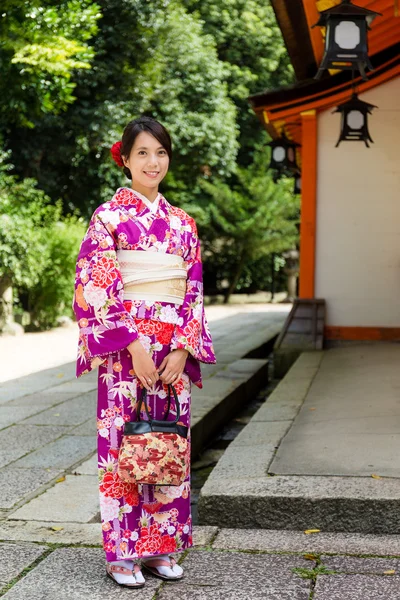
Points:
[[105, 326], [192, 332]]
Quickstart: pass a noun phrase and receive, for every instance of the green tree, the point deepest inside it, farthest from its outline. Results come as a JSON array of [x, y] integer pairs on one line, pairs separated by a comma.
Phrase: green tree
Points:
[[249, 43], [41, 44], [248, 219], [148, 59]]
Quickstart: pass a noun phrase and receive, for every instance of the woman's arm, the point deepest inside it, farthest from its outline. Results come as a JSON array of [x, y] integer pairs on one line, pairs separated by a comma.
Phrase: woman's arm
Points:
[[192, 332], [105, 326]]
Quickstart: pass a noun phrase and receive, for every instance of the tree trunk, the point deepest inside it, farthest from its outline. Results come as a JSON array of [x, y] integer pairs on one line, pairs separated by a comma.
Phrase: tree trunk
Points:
[[236, 276]]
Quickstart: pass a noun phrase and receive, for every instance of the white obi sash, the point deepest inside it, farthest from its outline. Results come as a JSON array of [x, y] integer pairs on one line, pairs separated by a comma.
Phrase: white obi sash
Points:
[[155, 276]]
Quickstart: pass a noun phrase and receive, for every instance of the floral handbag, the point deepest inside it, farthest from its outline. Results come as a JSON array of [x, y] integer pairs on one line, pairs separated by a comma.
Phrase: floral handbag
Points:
[[154, 452]]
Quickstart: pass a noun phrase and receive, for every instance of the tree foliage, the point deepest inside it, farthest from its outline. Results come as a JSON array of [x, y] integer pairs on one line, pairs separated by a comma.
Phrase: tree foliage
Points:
[[249, 218], [75, 72]]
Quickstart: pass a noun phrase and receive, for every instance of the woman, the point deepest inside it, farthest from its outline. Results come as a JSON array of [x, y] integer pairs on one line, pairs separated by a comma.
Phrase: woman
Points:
[[150, 333]]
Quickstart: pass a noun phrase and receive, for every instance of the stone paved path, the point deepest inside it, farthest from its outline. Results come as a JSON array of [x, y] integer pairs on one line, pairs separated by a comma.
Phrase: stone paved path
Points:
[[48, 470], [224, 563]]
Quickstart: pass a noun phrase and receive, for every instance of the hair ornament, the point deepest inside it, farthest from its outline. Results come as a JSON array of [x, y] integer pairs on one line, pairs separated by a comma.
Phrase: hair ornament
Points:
[[116, 153]]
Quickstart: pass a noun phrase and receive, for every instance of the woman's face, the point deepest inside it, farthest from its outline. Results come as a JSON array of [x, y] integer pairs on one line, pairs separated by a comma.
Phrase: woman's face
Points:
[[148, 161]]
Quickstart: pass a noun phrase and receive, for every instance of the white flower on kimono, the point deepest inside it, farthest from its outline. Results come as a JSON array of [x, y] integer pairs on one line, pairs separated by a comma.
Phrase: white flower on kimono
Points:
[[175, 223], [168, 314], [186, 529], [119, 422], [179, 322], [157, 346], [171, 530], [109, 508], [197, 312], [109, 216], [145, 341], [134, 536], [94, 296], [172, 491], [103, 432]]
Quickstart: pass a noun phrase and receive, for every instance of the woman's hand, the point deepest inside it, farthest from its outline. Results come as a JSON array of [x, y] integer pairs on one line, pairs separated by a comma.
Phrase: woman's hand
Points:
[[143, 365], [172, 366]]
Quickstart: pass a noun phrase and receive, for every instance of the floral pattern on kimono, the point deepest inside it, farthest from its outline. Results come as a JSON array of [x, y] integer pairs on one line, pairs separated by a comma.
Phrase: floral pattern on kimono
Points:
[[138, 520], [105, 324]]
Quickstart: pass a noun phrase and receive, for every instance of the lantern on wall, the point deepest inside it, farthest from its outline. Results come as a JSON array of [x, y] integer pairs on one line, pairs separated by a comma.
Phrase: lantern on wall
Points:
[[346, 40], [297, 183], [354, 121], [283, 155]]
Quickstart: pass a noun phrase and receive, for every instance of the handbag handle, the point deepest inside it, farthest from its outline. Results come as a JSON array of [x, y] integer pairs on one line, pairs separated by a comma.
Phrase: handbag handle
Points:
[[144, 398]]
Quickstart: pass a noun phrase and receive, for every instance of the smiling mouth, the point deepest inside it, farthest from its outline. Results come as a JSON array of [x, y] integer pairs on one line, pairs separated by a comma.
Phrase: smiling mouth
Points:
[[151, 173]]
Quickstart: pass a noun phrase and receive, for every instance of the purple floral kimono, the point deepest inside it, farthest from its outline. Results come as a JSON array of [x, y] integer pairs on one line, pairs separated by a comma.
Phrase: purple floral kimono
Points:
[[138, 520]]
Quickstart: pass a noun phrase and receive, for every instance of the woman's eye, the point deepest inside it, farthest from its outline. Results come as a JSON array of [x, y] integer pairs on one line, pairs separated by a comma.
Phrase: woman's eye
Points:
[[142, 151]]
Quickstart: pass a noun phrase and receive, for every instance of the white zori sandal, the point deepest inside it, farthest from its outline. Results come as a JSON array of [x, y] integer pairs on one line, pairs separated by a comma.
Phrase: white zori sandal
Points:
[[163, 566], [123, 575]]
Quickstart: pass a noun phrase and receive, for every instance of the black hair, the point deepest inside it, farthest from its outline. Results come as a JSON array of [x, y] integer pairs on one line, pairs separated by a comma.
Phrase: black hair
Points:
[[138, 125]]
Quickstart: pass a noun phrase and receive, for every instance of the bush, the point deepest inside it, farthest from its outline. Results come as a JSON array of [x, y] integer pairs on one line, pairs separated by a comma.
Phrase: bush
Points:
[[38, 249], [24, 212], [52, 295]]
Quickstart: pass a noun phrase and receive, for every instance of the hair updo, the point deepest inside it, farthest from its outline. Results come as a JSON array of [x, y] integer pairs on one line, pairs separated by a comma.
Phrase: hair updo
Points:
[[131, 132]]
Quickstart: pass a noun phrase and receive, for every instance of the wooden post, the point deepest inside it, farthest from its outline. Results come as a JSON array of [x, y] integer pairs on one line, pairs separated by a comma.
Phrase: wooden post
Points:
[[308, 204]]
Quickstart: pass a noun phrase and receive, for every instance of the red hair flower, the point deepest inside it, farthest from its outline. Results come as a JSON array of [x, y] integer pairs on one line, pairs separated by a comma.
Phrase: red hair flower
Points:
[[116, 153]]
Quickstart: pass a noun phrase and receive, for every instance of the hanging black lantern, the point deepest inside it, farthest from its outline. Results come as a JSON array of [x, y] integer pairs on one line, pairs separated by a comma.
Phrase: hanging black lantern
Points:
[[354, 121], [283, 155], [346, 41], [297, 183]]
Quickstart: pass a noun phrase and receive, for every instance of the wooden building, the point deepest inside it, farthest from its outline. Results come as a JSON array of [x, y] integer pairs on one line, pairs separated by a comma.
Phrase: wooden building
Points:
[[350, 199]]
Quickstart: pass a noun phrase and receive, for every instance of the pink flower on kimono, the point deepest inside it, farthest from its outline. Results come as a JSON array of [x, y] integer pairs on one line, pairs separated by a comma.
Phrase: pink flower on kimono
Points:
[[109, 508], [94, 296]]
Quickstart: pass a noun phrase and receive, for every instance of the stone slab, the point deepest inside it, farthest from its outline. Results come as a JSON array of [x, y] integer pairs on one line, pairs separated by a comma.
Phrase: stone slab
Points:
[[53, 532], [313, 451], [80, 385], [70, 412], [357, 587], [35, 382], [275, 411], [14, 558], [203, 536], [355, 564], [18, 440], [244, 462], [343, 437], [89, 467], [10, 415], [217, 387], [219, 575], [88, 427], [63, 453], [75, 574], [256, 434], [16, 484], [270, 540], [328, 503], [43, 399], [75, 499]]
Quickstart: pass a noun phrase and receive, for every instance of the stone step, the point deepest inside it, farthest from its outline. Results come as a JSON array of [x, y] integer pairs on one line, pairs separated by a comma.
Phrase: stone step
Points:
[[242, 492]]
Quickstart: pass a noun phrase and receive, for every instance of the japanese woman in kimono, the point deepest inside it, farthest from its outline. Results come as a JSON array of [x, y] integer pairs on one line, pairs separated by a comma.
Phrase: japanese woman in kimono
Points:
[[149, 335]]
